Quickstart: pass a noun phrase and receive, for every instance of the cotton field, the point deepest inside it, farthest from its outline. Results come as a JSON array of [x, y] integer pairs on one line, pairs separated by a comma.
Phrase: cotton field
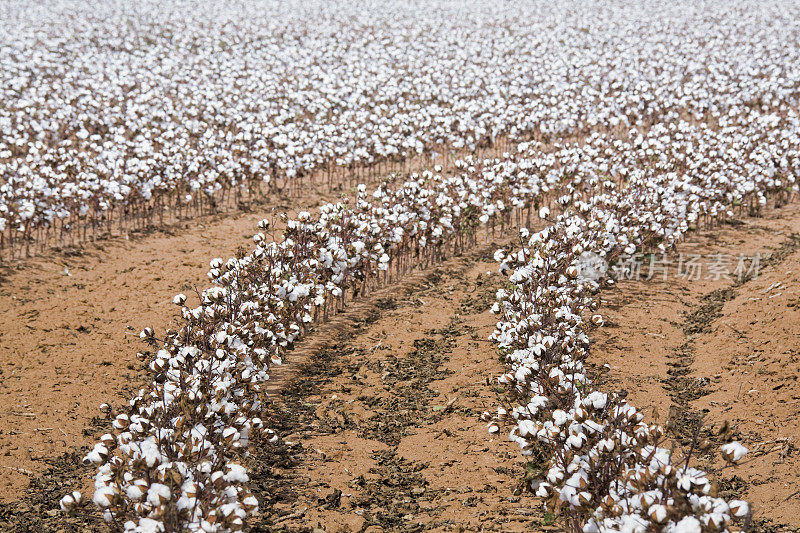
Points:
[[374, 143]]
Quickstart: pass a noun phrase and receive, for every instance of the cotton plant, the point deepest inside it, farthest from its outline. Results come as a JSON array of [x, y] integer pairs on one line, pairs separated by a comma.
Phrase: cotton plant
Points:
[[624, 149], [189, 433], [114, 116]]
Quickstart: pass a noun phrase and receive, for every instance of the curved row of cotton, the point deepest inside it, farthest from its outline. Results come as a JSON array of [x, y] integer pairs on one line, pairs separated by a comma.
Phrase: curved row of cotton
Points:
[[176, 457], [605, 469]]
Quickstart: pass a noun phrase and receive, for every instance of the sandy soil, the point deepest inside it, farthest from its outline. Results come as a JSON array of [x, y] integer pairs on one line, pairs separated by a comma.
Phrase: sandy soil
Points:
[[698, 354], [384, 423], [69, 325]]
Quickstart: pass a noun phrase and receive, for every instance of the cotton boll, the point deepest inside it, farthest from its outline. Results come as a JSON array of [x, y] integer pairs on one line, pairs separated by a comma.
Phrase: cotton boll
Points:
[[250, 503], [149, 525], [739, 508], [688, 524], [97, 456], [236, 474], [158, 494], [104, 497], [733, 452], [108, 440], [658, 513], [560, 417], [71, 501], [136, 492]]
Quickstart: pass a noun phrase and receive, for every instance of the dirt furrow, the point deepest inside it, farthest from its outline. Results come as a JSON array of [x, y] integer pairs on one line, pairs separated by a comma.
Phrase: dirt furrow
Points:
[[69, 324], [309, 367], [381, 429], [682, 348]]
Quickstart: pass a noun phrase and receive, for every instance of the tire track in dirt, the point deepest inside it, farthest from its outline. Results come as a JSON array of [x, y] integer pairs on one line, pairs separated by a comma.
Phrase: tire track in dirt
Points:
[[753, 344], [675, 350], [381, 431]]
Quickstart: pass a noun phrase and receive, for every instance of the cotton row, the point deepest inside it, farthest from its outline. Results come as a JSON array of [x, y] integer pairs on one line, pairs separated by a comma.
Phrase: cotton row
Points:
[[175, 460], [603, 466], [114, 110]]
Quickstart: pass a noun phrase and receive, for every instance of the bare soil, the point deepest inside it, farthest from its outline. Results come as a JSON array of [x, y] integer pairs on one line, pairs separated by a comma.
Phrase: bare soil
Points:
[[383, 425], [69, 324], [705, 355]]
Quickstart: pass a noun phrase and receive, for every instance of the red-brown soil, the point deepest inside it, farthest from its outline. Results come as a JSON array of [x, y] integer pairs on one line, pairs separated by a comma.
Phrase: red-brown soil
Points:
[[384, 423], [700, 353], [69, 324]]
